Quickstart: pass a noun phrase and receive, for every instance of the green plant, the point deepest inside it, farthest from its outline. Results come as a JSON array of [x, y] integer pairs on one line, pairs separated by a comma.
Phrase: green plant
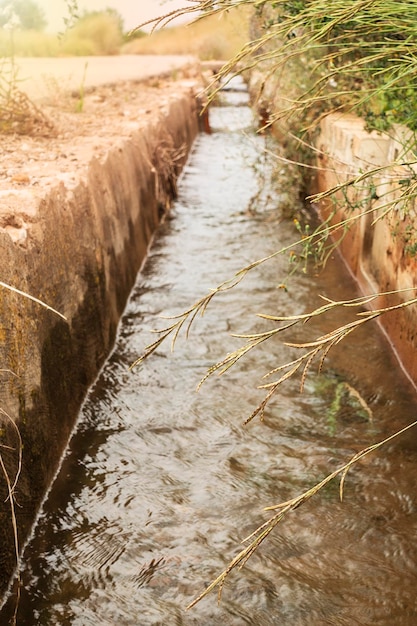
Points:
[[72, 16], [345, 394], [80, 102]]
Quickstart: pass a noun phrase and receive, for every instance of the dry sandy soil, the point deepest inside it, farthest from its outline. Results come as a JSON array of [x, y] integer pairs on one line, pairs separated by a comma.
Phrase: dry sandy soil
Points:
[[64, 131]]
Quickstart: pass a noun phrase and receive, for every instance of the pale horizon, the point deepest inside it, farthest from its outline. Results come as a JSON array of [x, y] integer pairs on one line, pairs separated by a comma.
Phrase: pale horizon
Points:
[[133, 12]]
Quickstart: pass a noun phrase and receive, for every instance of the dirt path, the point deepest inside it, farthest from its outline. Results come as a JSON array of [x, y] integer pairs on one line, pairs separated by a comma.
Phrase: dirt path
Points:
[[41, 78]]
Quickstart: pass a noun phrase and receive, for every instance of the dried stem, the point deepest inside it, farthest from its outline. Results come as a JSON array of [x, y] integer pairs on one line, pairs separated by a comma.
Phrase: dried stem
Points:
[[262, 532]]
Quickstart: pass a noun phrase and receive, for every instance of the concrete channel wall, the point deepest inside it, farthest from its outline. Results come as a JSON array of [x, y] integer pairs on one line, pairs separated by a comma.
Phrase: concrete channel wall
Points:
[[81, 252], [379, 247], [380, 253]]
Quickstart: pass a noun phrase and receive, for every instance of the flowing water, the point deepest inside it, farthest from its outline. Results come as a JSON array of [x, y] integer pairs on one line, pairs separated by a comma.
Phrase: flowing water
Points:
[[160, 483]]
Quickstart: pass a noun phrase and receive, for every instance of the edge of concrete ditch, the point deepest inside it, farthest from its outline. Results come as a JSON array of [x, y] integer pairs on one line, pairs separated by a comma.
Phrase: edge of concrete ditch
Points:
[[82, 253], [373, 251]]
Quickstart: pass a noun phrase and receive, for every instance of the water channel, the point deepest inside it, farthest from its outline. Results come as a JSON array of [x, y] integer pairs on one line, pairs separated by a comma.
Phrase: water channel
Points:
[[160, 483]]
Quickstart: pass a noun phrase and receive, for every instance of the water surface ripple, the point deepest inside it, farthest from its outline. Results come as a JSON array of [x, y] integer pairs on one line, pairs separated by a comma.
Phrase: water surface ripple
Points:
[[160, 483]]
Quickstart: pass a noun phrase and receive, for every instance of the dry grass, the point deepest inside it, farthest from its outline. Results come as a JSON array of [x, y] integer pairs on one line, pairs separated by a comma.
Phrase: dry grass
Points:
[[29, 43], [96, 34], [284, 508], [214, 37]]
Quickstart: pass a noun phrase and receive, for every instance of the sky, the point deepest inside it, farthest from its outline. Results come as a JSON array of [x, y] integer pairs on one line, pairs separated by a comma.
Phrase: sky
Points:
[[133, 12]]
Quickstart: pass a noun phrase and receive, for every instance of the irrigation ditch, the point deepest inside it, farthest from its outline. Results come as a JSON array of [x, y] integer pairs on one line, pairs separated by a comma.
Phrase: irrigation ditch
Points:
[[81, 255]]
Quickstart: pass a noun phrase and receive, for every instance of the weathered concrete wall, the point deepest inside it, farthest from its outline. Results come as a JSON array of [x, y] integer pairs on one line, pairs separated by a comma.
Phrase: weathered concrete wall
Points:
[[376, 252], [81, 253], [375, 246]]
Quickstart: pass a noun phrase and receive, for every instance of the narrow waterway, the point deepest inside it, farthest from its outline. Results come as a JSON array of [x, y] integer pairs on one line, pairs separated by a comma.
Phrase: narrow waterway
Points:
[[160, 483]]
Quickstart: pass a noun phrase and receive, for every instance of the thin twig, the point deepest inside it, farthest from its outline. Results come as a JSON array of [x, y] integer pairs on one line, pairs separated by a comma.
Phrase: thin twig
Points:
[[283, 508]]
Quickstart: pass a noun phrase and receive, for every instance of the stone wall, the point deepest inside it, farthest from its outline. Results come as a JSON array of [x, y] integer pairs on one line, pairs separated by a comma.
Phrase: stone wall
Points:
[[82, 250]]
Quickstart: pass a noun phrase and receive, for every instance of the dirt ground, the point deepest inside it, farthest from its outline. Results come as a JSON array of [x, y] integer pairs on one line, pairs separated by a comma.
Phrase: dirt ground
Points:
[[42, 77], [64, 132]]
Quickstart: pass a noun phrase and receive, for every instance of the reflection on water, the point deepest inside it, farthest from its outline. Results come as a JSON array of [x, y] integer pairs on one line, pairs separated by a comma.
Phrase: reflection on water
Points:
[[161, 483]]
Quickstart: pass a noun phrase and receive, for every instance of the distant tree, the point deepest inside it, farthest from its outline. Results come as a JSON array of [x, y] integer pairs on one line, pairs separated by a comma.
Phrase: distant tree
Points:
[[30, 16]]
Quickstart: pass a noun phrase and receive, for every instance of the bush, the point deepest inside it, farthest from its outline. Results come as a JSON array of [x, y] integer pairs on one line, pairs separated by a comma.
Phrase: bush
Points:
[[210, 38], [28, 43], [98, 33]]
